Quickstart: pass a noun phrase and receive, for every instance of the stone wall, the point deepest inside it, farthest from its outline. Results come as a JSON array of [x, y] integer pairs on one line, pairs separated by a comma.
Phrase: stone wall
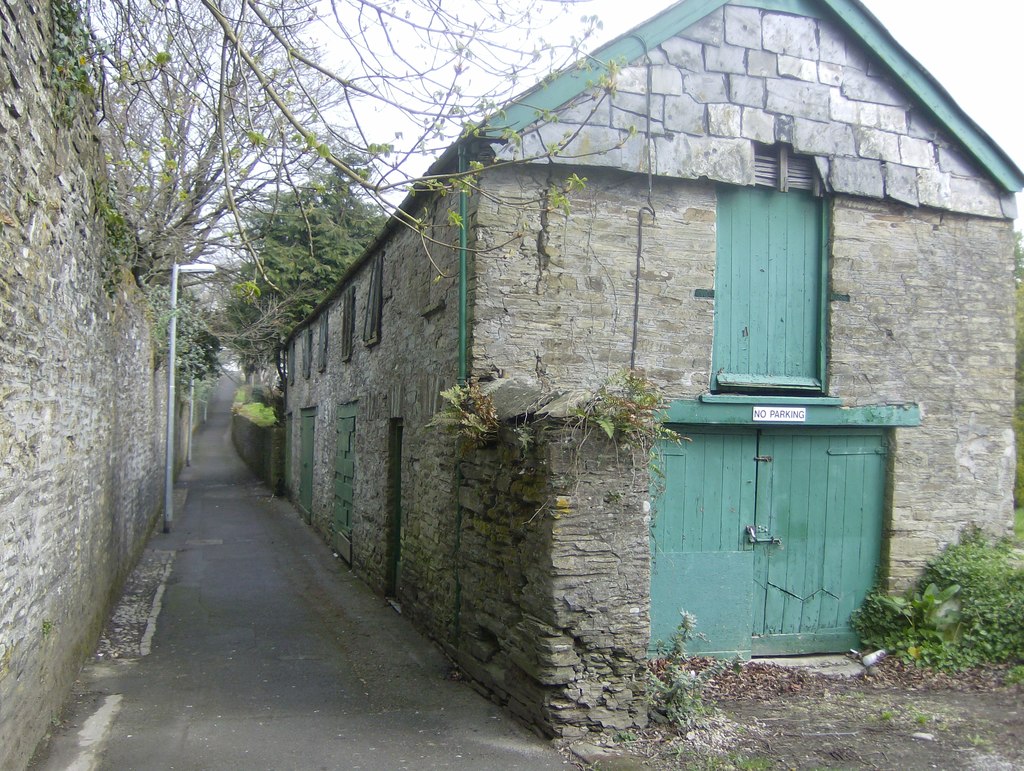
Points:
[[396, 379], [930, 320], [556, 569], [81, 442], [262, 449], [921, 312]]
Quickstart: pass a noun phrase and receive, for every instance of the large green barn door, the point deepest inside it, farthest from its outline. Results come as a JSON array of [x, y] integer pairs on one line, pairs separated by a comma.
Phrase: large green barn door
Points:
[[344, 479], [820, 495], [770, 538], [306, 449]]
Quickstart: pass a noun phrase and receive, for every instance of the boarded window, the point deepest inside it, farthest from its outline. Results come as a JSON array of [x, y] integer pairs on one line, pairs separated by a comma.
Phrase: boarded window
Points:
[[769, 284], [374, 302], [348, 322], [322, 349], [307, 352]]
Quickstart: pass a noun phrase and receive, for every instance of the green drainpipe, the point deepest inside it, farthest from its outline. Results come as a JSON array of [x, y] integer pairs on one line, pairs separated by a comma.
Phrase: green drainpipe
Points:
[[463, 291], [463, 374]]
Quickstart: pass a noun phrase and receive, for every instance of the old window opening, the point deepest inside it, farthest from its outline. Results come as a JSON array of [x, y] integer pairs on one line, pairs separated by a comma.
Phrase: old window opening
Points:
[[348, 322], [374, 302], [322, 358], [290, 365], [770, 278], [307, 352], [778, 167]]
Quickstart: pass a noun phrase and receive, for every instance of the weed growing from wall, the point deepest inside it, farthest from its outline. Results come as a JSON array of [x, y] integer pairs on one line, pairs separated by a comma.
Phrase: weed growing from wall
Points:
[[469, 415], [675, 693]]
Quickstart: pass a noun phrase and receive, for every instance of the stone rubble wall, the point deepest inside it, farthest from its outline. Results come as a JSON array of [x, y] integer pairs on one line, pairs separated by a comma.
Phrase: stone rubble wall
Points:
[[262, 449], [921, 312], [930, 320], [398, 378], [744, 75], [555, 577], [81, 438]]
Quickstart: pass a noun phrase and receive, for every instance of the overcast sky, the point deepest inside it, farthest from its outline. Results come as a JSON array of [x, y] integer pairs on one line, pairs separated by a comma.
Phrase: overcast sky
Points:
[[973, 49]]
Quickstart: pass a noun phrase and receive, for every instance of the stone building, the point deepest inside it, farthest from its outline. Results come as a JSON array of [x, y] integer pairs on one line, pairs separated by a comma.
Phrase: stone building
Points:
[[796, 234]]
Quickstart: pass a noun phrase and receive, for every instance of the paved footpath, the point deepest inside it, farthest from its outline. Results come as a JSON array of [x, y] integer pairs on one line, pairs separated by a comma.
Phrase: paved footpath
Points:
[[242, 643]]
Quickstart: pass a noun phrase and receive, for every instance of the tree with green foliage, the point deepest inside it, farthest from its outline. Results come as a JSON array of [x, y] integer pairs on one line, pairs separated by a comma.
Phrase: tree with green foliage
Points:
[[305, 238]]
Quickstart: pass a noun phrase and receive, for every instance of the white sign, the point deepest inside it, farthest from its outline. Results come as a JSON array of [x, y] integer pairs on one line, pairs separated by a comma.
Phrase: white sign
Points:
[[780, 414]]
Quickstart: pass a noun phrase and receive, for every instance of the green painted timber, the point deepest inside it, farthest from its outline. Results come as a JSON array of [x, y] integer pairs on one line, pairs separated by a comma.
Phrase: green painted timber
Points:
[[769, 290], [820, 412], [288, 427], [307, 431], [344, 478], [813, 499], [393, 578]]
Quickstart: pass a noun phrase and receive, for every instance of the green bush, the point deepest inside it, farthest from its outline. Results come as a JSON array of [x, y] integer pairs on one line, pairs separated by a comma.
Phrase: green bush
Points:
[[260, 414], [967, 609]]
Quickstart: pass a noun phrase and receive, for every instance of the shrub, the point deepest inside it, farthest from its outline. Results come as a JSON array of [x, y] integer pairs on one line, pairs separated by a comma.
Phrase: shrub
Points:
[[257, 413], [675, 693], [967, 609]]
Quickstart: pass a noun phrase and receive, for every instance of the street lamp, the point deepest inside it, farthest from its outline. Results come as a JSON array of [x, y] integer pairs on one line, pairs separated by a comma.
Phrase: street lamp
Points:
[[172, 362]]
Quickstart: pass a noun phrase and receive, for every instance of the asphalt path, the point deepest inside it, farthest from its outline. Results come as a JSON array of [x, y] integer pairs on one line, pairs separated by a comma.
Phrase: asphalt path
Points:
[[243, 643]]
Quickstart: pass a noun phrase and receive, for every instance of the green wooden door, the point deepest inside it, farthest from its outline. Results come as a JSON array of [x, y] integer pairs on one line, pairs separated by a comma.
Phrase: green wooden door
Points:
[[820, 495], [768, 290], [770, 538], [344, 479], [307, 429], [288, 444]]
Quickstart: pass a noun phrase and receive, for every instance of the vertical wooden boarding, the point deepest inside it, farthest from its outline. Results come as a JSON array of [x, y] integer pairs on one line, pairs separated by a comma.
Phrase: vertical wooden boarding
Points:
[[344, 479], [821, 496], [288, 445], [393, 578], [768, 287], [306, 449], [700, 561]]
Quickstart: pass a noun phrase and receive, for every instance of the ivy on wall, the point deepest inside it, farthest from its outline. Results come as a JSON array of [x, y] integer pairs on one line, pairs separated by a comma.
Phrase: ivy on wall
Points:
[[72, 59]]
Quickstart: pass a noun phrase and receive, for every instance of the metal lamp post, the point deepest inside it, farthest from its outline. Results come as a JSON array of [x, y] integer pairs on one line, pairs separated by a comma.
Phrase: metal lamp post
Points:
[[172, 365]]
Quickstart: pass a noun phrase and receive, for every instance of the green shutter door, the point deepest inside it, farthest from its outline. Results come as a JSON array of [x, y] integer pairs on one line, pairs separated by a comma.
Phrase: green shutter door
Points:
[[344, 479], [306, 449], [819, 494], [768, 290]]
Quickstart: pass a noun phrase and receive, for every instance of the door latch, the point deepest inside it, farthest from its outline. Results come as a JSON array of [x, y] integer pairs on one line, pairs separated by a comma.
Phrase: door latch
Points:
[[759, 534]]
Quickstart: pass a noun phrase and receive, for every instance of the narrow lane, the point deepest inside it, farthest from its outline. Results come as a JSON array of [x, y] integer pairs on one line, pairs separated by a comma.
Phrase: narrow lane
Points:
[[269, 654]]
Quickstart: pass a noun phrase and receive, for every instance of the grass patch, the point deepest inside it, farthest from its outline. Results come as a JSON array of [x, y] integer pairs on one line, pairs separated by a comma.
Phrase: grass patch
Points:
[[1018, 523]]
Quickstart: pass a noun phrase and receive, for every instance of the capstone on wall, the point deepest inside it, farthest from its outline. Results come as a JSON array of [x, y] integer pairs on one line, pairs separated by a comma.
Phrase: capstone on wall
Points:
[[81, 450]]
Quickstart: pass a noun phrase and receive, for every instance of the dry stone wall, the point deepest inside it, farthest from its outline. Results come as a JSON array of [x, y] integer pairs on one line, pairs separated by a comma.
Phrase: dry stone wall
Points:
[[81, 451], [554, 611]]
